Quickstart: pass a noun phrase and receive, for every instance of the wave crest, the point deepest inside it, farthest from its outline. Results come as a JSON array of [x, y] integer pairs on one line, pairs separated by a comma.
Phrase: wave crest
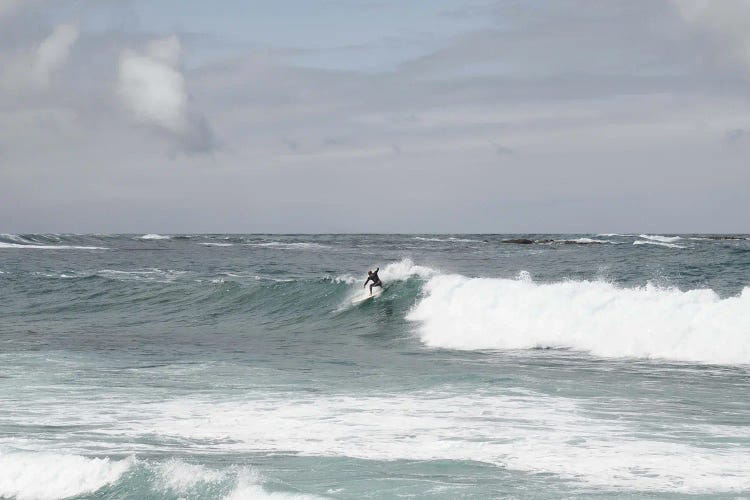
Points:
[[49, 475]]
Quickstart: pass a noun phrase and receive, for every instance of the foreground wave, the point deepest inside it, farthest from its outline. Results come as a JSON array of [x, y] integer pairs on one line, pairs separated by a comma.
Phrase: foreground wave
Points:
[[43, 475]]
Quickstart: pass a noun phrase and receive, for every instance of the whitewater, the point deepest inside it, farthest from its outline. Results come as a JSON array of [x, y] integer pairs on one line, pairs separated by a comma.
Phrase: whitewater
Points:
[[493, 366]]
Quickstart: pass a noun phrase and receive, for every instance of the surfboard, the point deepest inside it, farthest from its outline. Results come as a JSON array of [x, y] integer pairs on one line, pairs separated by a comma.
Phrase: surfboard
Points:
[[365, 295]]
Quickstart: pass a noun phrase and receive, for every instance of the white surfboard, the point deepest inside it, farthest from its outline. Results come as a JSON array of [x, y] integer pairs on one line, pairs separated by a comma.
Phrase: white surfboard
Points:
[[365, 295]]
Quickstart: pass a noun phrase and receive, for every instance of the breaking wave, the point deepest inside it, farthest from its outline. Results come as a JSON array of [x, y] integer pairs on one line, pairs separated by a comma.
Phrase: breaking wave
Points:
[[597, 317], [447, 310], [662, 239], [26, 475], [657, 243], [153, 236], [43, 475]]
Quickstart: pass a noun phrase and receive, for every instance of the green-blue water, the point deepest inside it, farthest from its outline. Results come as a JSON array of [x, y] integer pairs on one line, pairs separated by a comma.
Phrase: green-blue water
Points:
[[236, 366]]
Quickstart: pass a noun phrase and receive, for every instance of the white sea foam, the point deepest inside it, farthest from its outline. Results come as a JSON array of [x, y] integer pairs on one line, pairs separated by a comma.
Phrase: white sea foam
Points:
[[662, 239], [153, 236], [518, 430], [403, 270], [346, 278], [45, 475], [588, 241], [657, 243], [35, 475], [597, 317], [451, 239], [180, 476], [156, 275], [249, 485], [255, 277], [60, 276], [209, 244], [49, 247], [284, 245]]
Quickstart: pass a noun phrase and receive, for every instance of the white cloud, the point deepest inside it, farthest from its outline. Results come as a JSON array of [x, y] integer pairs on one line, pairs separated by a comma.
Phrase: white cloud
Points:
[[52, 53], [153, 89]]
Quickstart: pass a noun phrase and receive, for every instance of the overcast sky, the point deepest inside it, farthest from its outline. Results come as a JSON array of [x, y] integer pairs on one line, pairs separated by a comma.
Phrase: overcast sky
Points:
[[374, 116]]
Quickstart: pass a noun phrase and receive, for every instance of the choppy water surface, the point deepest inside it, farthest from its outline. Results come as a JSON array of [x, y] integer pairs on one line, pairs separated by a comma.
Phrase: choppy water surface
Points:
[[235, 366]]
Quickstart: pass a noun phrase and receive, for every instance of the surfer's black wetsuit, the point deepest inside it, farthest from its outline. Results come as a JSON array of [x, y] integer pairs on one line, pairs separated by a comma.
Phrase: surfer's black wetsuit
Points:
[[373, 275]]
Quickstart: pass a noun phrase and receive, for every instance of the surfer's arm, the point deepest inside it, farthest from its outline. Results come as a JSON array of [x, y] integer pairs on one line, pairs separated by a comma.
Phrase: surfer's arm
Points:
[[366, 281]]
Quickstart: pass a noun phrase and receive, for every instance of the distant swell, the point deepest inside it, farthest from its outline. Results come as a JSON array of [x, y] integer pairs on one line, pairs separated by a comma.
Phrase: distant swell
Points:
[[596, 317]]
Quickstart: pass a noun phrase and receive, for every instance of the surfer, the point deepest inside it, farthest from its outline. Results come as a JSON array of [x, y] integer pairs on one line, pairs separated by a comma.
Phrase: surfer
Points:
[[373, 275]]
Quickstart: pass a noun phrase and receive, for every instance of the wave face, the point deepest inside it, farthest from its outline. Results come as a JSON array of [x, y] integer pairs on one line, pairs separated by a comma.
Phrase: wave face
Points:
[[595, 317]]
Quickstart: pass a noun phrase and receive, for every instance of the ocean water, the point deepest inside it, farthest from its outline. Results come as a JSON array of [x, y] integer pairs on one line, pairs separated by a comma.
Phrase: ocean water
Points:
[[235, 366]]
